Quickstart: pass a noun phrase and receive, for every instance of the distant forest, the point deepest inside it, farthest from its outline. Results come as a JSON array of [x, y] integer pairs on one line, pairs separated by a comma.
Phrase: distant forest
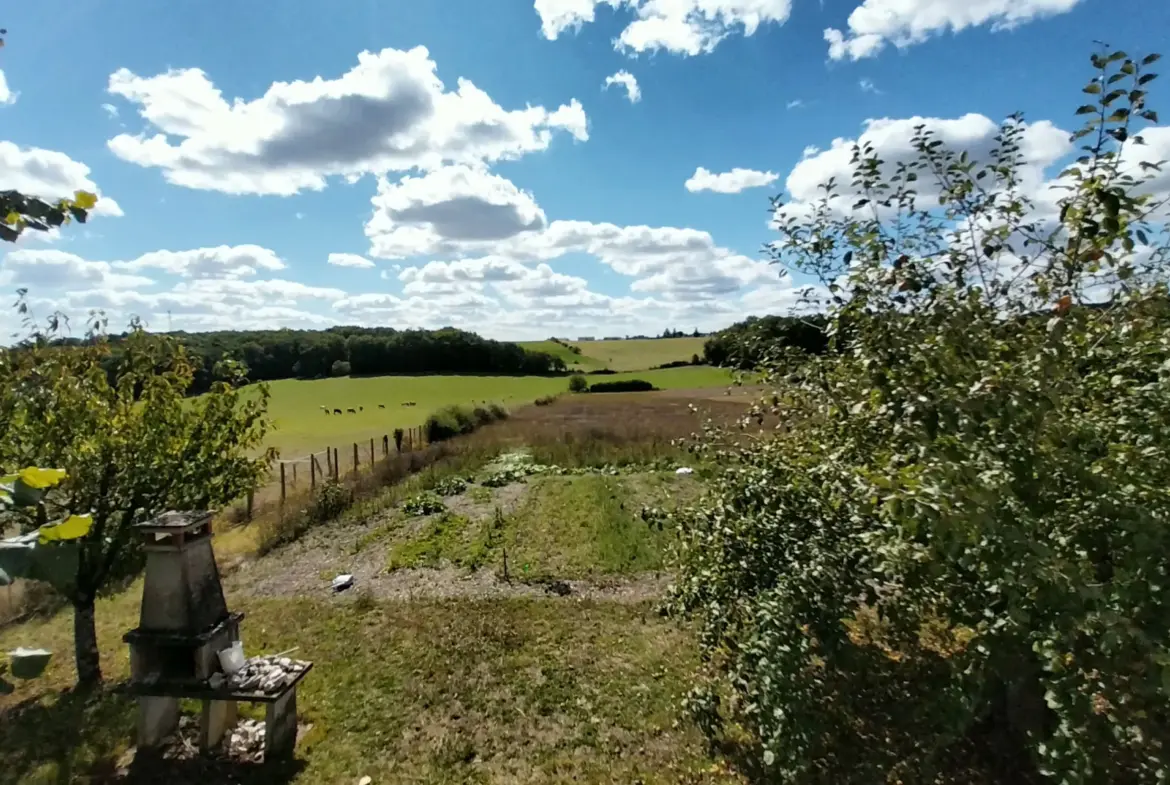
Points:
[[748, 344], [341, 351]]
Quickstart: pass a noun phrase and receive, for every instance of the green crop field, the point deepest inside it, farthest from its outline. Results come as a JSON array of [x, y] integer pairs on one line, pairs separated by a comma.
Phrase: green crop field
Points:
[[626, 355], [301, 426]]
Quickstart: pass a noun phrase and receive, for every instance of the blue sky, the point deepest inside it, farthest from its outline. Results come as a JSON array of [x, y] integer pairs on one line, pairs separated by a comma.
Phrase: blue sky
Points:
[[259, 171]]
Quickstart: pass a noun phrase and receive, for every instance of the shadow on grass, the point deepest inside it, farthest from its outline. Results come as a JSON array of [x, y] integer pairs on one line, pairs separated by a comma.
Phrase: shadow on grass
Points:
[[84, 736]]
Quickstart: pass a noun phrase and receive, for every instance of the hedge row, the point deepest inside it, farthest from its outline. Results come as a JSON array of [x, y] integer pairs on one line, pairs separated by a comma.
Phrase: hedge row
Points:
[[453, 421]]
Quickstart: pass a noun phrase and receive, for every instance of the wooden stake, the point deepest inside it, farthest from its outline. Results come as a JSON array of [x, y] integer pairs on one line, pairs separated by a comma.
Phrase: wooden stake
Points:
[[282, 492]]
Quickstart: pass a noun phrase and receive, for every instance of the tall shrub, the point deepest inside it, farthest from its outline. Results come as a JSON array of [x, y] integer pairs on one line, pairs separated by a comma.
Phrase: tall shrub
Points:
[[959, 537]]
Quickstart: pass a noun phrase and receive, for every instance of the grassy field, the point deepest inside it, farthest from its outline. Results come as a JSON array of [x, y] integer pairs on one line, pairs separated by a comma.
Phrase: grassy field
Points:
[[575, 362], [435, 669], [628, 355], [301, 427]]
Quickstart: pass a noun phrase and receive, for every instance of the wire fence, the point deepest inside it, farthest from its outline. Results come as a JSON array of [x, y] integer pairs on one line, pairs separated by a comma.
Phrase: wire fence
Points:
[[306, 472]]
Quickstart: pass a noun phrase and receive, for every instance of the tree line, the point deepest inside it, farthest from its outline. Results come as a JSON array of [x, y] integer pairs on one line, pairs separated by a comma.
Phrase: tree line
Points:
[[759, 339], [269, 355]]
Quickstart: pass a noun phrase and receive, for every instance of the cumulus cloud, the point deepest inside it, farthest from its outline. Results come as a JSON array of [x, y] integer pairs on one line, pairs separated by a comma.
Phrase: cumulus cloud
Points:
[[49, 269], [628, 81], [876, 23], [224, 261], [729, 182], [686, 27], [453, 210], [390, 112], [49, 175], [349, 260], [1042, 145]]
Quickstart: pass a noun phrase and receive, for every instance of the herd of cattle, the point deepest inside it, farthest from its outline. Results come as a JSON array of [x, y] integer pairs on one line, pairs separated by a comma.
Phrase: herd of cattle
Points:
[[351, 410]]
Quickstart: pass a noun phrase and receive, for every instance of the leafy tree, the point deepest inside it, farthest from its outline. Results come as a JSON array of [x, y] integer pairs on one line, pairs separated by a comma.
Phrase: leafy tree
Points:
[[131, 444], [578, 384], [955, 551]]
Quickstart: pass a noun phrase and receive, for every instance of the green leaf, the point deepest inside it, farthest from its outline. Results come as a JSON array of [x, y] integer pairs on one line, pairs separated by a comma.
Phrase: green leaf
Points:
[[1151, 58], [1146, 78], [1093, 88], [1087, 109]]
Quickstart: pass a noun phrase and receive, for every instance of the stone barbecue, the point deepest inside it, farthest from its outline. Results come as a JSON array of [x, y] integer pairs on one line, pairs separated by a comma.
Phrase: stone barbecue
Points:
[[184, 624]]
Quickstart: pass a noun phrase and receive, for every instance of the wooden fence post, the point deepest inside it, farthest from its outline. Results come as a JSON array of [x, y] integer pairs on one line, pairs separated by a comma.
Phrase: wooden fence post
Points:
[[385, 445], [282, 482], [294, 482], [251, 492], [336, 461], [312, 471], [355, 458], [329, 460], [371, 450]]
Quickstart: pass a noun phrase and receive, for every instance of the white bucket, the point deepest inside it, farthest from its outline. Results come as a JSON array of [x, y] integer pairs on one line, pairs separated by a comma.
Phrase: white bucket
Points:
[[231, 659]]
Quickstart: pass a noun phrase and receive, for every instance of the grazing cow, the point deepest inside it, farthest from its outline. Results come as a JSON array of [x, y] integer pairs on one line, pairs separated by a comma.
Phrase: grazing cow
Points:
[[337, 411], [324, 410], [361, 408], [350, 411], [381, 406]]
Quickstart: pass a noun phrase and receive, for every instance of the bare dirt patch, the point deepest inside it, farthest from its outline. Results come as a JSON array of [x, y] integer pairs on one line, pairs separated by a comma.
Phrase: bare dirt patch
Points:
[[307, 567]]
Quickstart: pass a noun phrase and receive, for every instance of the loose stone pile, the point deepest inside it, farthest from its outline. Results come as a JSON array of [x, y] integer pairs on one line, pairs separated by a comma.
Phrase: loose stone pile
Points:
[[266, 674], [247, 740]]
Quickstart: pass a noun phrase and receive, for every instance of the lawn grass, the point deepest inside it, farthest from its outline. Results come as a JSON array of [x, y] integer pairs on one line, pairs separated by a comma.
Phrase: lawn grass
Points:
[[589, 526], [420, 692], [577, 526], [302, 428]]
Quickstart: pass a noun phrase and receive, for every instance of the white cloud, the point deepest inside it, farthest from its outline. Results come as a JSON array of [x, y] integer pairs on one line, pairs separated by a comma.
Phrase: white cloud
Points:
[[49, 175], [452, 210], [867, 86], [729, 182], [7, 95], [687, 27], [110, 110], [390, 112], [349, 260], [220, 262], [626, 80], [795, 103], [876, 23], [1042, 145], [44, 269]]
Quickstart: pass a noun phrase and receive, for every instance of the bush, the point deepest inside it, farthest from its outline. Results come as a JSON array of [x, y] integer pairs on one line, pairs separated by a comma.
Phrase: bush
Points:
[[453, 421], [603, 372], [577, 383], [339, 368], [547, 400], [678, 363], [625, 385], [329, 502], [426, 503], [957, 553]]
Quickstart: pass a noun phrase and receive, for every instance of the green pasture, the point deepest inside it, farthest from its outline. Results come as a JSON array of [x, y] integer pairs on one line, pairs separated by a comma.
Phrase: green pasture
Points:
[[301, 426], [631, 355]]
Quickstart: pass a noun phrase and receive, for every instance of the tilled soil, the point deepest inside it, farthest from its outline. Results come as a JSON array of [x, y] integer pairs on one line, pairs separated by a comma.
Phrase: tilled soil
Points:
[[307, 567]]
